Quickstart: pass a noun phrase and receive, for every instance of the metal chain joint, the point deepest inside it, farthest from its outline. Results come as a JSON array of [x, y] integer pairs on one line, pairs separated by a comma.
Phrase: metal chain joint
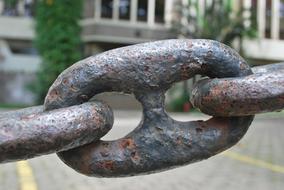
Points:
[[232, 94]]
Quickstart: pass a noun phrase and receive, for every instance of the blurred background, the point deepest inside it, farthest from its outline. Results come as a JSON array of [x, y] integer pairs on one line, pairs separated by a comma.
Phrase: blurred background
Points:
[[40, 38]]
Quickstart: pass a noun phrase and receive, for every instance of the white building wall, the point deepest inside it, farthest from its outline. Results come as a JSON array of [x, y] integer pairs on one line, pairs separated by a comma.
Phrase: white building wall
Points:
[[16, 72]]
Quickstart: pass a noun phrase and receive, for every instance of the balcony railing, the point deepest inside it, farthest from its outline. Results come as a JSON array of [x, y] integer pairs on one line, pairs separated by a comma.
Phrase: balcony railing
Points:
[[270, 18], [151, 13], [270, 26], [270, 13], [17, 8], [102, 16]]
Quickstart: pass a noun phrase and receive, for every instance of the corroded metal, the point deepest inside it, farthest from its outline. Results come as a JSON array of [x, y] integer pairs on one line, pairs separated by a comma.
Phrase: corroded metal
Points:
[[31, 132], [148, 70], [261, 92], [269, 68]]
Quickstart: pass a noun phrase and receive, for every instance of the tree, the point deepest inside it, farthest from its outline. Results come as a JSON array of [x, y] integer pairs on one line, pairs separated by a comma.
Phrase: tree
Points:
[[57, 40]]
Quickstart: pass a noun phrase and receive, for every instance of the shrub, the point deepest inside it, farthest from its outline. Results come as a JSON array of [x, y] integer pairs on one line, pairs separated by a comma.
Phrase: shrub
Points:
[[57, 40]]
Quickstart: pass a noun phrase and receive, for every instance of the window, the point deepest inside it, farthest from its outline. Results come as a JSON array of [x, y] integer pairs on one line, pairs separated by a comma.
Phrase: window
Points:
[[160, 11], [107, 6], [124, 9], [268, 13], [142, 10], [281, 9]]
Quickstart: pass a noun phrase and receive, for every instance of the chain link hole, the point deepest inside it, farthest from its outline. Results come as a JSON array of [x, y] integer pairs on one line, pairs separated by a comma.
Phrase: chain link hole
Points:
[[178, 105], [127, 113]]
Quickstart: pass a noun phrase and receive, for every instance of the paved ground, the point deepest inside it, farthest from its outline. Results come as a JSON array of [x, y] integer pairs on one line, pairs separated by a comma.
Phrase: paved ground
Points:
[[256, 163]]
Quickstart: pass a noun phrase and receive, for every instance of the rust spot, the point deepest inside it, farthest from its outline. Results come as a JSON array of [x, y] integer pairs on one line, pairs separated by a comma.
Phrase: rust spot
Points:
[[73, 88], [27, 117], [179, 140], [218, 123], [135, 156], [53, 93], [104, 153], [149, 58], [109, 165], [65, 81], [171, 58], [185, 71], [209, 54], [204, 67], [189, 44], [128, 143], [105, 144], [183, 59], [243, 66], [146, 68], [98, 119], [222, 125], [84, 97], [198, 130]]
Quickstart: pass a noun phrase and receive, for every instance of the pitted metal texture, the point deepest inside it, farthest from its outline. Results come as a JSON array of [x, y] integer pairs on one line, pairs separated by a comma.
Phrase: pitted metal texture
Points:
[[261, 92], [144, 67], [32, 132], [64, 125], [268, 68], [148, 70]]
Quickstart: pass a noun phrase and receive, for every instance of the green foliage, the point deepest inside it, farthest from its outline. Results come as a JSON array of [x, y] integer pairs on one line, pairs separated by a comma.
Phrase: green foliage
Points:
[[177, 104], [10, 3], [57, 40], [13, 106], [219, 22]]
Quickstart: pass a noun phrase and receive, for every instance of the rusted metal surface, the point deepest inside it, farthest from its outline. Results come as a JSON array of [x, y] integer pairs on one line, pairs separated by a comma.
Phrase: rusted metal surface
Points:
[[269, 68], [144, 67], [148, 70], [261, 92], [31, 132]]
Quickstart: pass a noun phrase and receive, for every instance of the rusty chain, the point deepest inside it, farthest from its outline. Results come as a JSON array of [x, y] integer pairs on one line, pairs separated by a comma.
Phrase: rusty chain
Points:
[[72, 128]]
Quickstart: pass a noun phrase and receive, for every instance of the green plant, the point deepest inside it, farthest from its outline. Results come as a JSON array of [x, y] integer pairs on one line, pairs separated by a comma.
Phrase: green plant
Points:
[[10, 7], [10, 3], [218, 21], [57, 40], [178, 103]]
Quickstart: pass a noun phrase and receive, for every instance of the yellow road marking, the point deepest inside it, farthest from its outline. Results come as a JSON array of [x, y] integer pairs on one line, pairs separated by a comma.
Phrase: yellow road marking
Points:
[[255, 162], [26, 177]]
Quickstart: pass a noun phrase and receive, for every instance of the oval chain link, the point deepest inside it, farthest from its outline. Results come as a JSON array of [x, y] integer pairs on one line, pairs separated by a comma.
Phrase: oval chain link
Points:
[[65, 125], [148, 70], [260, 92]]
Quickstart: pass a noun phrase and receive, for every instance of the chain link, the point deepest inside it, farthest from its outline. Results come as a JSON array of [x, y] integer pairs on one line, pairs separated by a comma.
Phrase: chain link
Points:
[[260, 92], [148, 70], [32, 132]]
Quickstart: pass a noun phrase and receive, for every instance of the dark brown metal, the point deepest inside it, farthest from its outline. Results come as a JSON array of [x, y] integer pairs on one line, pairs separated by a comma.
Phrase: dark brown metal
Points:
[[257, 93], [148, 70], [31, 132]]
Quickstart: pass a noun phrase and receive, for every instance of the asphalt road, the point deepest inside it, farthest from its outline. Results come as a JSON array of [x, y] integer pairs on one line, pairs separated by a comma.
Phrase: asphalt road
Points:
[[256, 163]]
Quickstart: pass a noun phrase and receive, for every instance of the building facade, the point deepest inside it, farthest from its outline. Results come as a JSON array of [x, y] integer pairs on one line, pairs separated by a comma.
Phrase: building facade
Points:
[[108, 24]]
